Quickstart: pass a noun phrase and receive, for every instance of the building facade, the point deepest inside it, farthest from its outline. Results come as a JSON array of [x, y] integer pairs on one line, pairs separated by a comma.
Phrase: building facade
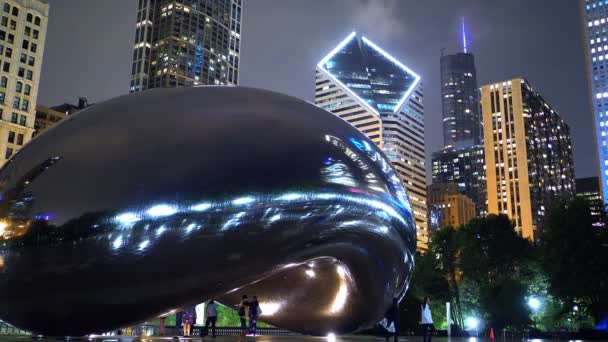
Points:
[[23, 26], [367, 87], [464, 167], [45, 118], [460, 101], [595, 28], [588, 188], [528, 154], [186, 43], [456, 208]]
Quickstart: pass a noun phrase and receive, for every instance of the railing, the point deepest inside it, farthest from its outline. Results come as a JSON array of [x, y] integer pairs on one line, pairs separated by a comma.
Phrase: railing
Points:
[[149, 330]]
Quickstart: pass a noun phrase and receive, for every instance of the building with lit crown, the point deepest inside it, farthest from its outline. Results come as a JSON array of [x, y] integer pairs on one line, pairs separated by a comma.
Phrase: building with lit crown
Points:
[[456, 208], [186, 43], [595, 33], [23, 26], [364, 85], [466, 168], [528, 154]]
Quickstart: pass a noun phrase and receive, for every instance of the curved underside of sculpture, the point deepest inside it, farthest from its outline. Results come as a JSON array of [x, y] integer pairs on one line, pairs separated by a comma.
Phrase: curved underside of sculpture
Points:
[[158, 200]]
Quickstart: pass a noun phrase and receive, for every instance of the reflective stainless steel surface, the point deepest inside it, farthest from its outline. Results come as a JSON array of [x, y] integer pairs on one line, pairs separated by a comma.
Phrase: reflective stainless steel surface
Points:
[[157, 200]]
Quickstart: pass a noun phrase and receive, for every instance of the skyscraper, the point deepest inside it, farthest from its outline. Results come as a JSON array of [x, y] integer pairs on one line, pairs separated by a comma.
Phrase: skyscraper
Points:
[[22, 36], [364, 85], [460, 100], [595, 22], [465, 167], [185, 43], [528, 154], [461, 161]]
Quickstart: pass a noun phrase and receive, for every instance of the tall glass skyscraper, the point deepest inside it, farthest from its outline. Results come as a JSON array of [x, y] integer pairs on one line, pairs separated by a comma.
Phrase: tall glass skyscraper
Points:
[[460, 101], [186, 43], [364, 85], [595, 15], [462, 159]]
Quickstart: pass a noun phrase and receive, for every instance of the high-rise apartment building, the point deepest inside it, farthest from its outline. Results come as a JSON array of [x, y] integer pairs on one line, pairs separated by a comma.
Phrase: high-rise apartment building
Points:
[[460, 101], [22, 35], [528, 154], [364, 85], [456, 208], [466, 168], [185, 43], [595, 28]]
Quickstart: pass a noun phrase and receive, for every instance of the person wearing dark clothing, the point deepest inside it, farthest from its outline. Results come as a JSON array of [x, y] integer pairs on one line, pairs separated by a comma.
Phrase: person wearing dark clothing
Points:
[[211, 312], [254, 311], [392, 316], [243, 313]]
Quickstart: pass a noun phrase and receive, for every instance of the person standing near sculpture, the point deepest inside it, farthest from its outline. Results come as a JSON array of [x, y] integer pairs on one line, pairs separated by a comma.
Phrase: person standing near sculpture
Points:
[[211, 312], [426, 320], [243, 313], [254, 312], [392, 317], [188, 319]]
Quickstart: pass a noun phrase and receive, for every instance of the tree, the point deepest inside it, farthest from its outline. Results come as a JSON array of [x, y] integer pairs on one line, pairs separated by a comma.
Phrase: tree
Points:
[[445, 247], [497, 260], [574, 255]]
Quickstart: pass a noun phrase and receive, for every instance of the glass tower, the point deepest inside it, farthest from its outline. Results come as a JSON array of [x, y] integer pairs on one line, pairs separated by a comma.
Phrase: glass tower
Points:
[[595, 15], [465, 167], [460, 101], [364, 85], [186, 43]]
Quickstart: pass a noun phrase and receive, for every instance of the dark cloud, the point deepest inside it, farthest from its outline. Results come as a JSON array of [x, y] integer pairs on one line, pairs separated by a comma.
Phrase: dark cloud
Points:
[[89, 49]]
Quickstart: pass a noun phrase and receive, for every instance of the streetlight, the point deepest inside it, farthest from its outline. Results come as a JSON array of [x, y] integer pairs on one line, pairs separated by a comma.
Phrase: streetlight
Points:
[[472, 323], [534, 303]]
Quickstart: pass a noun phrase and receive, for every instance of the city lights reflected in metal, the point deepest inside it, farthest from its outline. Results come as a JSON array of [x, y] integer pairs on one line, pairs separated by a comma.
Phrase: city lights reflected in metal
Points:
[[239, 213]]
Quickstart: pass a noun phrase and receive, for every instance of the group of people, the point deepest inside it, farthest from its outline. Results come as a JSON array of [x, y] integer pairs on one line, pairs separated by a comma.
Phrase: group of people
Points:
[[391, 321], [249, 309], [188, 319]]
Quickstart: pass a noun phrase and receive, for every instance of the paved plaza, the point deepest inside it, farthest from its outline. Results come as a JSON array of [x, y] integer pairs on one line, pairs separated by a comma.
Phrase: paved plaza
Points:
[[348, 338]]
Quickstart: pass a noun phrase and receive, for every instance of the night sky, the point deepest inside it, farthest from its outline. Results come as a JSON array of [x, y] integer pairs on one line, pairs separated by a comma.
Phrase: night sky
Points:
[[89, 48]]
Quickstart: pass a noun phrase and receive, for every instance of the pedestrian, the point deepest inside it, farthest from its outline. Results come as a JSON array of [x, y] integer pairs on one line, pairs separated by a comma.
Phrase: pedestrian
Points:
[[254, 312], [211, 312], [188, 319], [426, 320], [392, 317], [243, 313]]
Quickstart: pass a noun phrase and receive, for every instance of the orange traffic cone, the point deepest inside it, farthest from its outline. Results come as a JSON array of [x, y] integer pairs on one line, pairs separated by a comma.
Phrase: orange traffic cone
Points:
[[491, 333]]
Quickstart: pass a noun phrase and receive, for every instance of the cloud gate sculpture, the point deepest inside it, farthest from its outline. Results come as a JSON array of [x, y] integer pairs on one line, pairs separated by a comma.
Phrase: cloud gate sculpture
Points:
[[158, 200]]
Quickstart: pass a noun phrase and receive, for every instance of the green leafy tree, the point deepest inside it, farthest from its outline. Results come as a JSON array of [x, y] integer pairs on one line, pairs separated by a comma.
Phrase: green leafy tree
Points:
[[574, 255], [496, 260], [445, 248]]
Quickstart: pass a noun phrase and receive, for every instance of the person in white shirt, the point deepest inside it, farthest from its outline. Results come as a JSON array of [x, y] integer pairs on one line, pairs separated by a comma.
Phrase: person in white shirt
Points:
[[211, 317], [426, 320]]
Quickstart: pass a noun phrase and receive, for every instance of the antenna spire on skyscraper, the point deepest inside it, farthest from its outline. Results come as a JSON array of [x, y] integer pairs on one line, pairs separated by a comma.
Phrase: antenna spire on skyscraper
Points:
[[464, 37]]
